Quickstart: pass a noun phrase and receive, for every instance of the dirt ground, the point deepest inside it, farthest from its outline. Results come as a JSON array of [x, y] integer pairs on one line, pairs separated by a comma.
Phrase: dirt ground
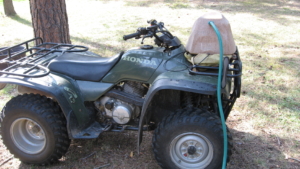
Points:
[[118, 151]]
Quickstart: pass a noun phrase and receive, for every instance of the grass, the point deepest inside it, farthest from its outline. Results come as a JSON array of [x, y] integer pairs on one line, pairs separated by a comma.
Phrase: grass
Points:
[[265, 121]]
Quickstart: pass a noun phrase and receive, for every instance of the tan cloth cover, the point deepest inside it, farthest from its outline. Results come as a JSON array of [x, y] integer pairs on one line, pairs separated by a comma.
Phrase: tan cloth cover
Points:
[[203, 38]]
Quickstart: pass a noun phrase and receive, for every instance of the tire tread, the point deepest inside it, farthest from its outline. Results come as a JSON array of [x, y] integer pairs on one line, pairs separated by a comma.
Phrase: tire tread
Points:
[[181, 117], [50, 111]]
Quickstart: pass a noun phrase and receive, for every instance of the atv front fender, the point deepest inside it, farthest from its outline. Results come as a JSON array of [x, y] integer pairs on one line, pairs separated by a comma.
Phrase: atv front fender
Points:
[[62, 89], [181, 81]]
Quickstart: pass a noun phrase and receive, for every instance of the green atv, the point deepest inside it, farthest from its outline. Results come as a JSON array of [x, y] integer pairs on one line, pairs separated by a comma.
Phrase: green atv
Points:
[[68, 92]]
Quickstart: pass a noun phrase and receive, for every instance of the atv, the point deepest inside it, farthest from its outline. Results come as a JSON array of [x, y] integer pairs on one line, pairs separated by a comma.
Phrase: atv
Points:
[[67, 92]]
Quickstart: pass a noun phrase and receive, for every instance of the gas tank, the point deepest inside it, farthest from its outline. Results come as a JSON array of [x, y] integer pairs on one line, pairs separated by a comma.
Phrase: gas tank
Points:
[[136, 64]]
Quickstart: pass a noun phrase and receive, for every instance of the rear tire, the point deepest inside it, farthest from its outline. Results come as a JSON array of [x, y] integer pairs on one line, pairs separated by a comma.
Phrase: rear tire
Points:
[[34, 129], [190, 138]]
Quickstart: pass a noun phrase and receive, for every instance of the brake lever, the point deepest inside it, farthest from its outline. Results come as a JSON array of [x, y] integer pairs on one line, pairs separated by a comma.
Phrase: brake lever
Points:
[[143, 40], [138, 37], [150, 34]]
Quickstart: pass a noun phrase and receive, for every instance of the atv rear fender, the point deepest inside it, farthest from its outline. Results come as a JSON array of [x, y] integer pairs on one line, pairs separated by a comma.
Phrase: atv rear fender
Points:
[[70, 95]]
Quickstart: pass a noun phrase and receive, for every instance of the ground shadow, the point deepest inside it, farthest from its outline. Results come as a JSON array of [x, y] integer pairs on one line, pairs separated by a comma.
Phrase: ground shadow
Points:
[[260, 8], [119, 150], [98, 45], [21, 20], [264, 153], [269, 10]]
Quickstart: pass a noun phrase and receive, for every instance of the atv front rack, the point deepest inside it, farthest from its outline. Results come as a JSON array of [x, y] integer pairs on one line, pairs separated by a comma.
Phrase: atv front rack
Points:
[[232, 69], [33, 61]]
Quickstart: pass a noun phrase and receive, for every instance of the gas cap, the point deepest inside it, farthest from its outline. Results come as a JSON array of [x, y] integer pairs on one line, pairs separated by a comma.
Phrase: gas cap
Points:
[[146, 47]]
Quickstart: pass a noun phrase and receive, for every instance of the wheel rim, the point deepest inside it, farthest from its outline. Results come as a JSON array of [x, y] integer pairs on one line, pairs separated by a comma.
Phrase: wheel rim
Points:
[[191, 150], [28, 135]]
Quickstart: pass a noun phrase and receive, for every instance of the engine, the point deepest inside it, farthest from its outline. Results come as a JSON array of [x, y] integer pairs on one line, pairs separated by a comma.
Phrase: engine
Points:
[[118, 110], [123, 103]]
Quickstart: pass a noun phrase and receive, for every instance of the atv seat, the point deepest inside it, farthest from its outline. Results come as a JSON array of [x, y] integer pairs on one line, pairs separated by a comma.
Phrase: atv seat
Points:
[[87, 67]]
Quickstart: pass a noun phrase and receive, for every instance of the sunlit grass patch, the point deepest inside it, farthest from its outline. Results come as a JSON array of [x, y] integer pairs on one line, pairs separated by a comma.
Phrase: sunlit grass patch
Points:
[[179, 5]]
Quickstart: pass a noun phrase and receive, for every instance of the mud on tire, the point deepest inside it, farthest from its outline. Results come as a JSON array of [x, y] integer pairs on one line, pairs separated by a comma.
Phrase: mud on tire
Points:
[[190, 138], [34, 129]]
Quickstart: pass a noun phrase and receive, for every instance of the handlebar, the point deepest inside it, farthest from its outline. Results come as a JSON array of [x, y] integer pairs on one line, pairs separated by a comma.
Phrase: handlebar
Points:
[[165, 39], [140, 31], [137, 34]]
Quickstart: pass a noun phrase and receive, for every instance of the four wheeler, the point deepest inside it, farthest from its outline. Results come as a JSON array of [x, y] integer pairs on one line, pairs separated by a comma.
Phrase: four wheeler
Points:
[[68, 92]]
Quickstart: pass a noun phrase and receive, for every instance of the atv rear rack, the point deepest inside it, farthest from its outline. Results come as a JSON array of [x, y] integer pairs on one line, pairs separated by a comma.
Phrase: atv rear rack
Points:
[[33, 61]]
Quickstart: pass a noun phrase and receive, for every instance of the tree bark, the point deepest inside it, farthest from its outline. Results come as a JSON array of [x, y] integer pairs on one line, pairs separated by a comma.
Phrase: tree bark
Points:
[[50, 20], [9, 9]]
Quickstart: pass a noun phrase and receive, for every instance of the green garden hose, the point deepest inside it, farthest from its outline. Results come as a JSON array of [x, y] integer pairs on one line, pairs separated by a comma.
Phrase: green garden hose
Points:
[[219, 94]]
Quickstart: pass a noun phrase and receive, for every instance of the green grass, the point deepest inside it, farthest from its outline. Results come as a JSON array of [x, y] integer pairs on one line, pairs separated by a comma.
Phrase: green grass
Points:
[[179, 5], [267, 34]]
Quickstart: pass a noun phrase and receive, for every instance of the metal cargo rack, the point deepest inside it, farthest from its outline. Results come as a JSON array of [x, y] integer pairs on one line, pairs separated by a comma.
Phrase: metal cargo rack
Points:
[[33, 61], [232, 69]]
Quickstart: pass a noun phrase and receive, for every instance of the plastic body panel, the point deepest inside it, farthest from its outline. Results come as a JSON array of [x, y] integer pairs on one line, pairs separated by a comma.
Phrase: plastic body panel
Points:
[[66, 92], [91, 91], [136, 64], [144, 65]]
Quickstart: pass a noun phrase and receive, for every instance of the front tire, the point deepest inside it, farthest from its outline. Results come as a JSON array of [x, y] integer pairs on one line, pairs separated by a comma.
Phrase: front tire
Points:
[[34, 129], [190, 138]]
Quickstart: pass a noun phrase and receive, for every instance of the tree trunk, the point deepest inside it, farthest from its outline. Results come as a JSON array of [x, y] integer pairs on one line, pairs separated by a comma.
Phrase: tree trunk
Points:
[[9, 9], [50, 20]]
